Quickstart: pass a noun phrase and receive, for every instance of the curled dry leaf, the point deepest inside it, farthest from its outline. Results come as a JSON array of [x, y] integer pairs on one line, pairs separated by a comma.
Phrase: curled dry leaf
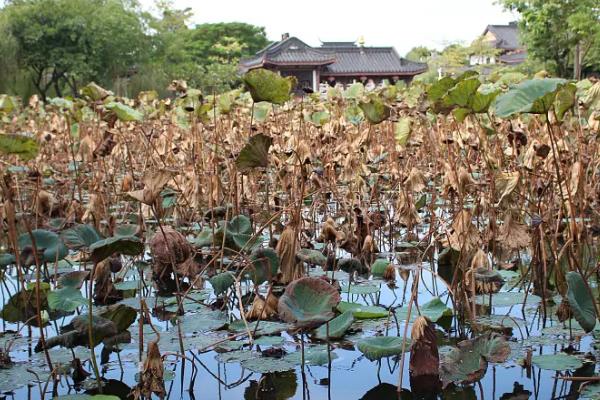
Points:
[[154, 183], [424, 357], [513, 235], [287, 248], [152, 376]]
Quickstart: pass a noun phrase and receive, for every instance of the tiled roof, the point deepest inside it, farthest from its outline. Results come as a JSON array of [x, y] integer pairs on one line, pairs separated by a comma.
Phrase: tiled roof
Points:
[[337, 58], [507, 36], [290, 51], [370, 60], [514, 58]]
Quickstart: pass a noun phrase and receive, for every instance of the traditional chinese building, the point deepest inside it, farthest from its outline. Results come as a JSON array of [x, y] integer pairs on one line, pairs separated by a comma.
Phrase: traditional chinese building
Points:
[[506, 39], [333, 63]]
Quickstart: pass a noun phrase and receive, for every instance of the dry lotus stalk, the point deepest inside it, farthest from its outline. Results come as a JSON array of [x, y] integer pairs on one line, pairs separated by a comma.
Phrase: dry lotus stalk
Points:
[[287, 247], [152, 376]]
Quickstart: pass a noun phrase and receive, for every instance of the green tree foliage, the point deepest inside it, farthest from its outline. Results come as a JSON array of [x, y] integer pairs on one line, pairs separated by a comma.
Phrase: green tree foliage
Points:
[[63, 43], [563, 31], [419, 54], [53, 46]]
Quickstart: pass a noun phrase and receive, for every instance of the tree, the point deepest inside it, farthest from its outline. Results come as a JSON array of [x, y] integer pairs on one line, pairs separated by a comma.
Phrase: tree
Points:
[[66, 42], [483, 48], [226, 41], [563, 31], [419, 54]]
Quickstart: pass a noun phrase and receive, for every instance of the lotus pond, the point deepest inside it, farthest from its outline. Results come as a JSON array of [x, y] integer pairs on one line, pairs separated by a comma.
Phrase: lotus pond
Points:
[[412, 242]]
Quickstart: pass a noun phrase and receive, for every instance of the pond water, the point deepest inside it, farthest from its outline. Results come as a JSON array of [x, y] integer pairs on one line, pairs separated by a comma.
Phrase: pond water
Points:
[[350, 374]]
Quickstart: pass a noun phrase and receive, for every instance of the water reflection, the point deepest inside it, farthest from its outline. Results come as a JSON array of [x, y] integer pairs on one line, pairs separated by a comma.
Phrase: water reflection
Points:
[[274, 386]]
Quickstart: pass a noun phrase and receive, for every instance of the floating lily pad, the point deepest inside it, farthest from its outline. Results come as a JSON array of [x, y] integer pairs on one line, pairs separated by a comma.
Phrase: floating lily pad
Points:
[[434, 309], [556, 362], [361, 311], [468, 361], [313, 355], [508, 299], [376, 347], [264, 365], [361, 289]]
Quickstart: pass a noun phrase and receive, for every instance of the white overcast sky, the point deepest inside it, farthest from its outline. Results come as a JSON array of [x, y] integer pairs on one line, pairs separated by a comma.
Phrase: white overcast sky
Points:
[[399, 23]]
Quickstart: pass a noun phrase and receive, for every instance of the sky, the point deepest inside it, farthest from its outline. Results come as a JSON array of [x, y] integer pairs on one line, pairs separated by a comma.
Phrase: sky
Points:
[[399, 23]]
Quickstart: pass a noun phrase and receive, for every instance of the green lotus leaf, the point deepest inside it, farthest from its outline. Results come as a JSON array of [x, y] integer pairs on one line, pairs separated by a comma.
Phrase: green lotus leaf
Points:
[[462, 93], [360, 289], [265, 85], [379, 266], [24, 146], [95, 92], [582, 304], [313, 257], [508, 299], [120, 314], [468, 361], [318, 118], [255, 153], [265, 262], [221, 282], [308, 302], [6, 260], [534, 96], [313, 355], [124, 112], [126, 230], [556, 362], [375, 110], [264, 365], [434, 309], [337, 326], [126, 245], [361, 311], [355, 91], [80, 236], [353, 114], [66, 299], [53, 247], [402, 130], [377, 347]]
